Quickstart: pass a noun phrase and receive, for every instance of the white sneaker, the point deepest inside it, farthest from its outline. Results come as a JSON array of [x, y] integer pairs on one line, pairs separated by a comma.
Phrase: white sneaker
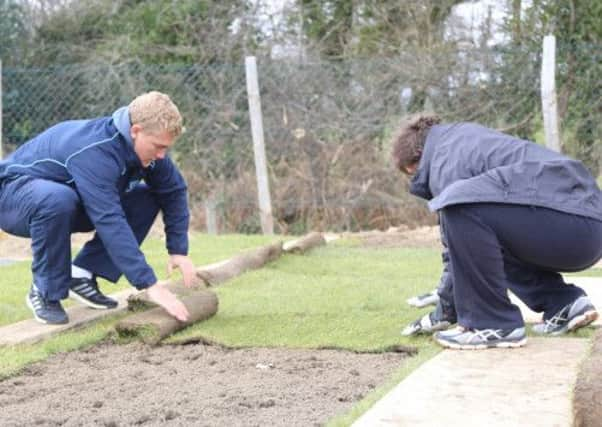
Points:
[[425, 325], [431, 298]]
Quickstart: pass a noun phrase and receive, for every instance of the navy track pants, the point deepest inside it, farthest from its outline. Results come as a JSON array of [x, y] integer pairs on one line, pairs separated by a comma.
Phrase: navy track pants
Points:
[[49, 212], [495, 247]]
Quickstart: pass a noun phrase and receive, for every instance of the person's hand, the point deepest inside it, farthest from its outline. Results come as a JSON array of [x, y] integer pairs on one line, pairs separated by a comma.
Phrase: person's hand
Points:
[[162, 296], [185, 265]]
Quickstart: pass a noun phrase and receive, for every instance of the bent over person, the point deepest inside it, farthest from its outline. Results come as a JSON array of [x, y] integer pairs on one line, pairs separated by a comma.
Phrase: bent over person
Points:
[[513, 214], [109, 174]]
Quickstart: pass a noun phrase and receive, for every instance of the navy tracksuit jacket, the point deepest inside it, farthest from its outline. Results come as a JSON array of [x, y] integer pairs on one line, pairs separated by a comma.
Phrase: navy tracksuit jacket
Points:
[[82, 175]]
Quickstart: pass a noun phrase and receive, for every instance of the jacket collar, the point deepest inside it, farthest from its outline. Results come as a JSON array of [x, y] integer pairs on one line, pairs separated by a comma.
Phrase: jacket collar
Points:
[[121, 120]]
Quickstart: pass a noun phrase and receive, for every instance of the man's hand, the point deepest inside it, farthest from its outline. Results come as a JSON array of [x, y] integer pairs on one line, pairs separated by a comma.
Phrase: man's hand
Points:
[[185, 265], [162, 296]]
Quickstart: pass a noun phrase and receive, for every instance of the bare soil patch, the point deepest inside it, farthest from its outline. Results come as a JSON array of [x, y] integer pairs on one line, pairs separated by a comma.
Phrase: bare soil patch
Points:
[[19, 248], [395, 237], [14, 248], [200, 385]]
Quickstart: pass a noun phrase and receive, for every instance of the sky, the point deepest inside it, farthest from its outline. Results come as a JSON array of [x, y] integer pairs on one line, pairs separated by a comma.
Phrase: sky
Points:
[[474, 14]]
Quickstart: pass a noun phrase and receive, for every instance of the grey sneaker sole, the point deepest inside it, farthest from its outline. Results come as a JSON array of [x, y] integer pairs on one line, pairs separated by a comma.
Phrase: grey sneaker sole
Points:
[[495, 344], [83, 301], [582, 320]]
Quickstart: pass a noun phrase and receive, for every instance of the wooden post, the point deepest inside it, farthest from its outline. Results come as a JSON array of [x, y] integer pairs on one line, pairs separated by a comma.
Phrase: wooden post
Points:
[[210, 215], [549, 105], [1, 145], [263, 189]]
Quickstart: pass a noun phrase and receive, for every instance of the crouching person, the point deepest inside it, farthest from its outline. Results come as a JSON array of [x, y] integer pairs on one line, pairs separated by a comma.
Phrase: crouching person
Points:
[[514, 214], [108, 174]]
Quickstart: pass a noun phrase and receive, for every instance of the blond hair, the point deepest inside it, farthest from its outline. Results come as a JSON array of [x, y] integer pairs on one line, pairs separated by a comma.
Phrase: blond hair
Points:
[[155, 111]]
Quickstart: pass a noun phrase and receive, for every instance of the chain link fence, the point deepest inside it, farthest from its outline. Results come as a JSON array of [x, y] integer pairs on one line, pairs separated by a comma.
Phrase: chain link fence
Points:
[[327, 124]]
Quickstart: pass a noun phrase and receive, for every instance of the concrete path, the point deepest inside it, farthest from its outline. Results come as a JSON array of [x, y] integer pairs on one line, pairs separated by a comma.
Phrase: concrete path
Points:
[[30, 331], [11, 261], [529, 386]]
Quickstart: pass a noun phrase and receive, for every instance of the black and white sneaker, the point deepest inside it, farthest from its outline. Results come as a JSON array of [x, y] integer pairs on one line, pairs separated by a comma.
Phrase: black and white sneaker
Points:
[[44, 310], [427, 324], [86, 291], [578, 314]]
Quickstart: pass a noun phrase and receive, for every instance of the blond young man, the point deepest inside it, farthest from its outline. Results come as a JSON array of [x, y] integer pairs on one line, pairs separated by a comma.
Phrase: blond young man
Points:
[[108, 174]]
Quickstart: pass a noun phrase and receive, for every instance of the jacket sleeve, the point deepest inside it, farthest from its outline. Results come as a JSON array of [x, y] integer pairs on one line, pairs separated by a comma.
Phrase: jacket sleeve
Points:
[[167, 183], [95, 174]]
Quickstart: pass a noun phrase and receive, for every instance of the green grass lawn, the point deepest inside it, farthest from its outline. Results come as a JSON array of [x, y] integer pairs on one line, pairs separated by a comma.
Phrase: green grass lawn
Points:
[[338, 295]]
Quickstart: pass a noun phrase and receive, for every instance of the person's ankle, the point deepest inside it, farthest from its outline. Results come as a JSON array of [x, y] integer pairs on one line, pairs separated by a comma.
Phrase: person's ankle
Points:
[[80, 273]]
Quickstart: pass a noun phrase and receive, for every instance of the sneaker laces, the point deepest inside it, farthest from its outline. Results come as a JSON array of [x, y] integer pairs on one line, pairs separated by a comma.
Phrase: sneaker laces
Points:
[[487, 334], [481, 335]]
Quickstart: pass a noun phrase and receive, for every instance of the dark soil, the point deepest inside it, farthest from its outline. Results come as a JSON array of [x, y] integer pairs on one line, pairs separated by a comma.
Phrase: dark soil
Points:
[[191, 385]]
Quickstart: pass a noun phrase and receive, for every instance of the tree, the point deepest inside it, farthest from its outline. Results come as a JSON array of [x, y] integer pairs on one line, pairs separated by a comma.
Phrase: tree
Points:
[[576, 25], [149, 32], [329, 24], [13, 31]]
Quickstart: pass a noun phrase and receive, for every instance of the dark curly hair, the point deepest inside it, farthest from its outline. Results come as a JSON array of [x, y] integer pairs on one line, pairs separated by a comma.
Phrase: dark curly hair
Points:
[[409, 139]]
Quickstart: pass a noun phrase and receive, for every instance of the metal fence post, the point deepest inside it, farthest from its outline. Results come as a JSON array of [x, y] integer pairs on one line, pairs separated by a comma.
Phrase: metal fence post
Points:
[[549, 107], [211, 214], [263, 189]]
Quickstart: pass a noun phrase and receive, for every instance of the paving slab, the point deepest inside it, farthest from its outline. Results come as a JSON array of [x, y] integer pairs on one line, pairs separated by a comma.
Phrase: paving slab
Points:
[[529, 386], [30, 331]]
